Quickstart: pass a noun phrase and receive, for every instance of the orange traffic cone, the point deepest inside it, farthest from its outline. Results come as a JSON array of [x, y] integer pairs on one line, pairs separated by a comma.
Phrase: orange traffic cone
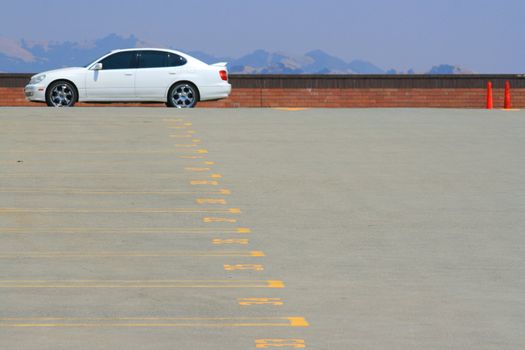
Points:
[[490, 100]]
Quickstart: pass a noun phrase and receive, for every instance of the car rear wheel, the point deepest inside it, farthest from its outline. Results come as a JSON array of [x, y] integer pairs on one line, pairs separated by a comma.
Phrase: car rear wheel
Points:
[[61, 94], [183, 95]]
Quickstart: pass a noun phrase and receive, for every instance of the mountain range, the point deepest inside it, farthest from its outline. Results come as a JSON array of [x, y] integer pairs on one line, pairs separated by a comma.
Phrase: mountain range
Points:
[[22, 56]]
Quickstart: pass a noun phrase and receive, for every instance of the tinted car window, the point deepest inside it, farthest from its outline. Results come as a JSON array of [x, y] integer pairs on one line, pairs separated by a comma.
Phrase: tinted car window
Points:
[[175, 60], [153, 59], [121, 60]]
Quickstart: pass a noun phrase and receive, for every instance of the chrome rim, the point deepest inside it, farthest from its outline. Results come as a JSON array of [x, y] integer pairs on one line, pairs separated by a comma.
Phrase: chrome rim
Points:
[[183, 96], [61, 95]]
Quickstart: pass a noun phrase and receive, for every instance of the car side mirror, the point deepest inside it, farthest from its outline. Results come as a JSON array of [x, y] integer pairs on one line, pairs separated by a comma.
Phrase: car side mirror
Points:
[[97, 66]]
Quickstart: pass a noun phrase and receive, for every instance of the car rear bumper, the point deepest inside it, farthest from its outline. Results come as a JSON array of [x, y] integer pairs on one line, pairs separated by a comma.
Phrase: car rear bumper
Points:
[[35, 93], [215, 92]]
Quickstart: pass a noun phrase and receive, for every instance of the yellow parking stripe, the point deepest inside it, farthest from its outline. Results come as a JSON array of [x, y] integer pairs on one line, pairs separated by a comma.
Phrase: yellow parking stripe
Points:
[[151, 322], [63, 191], [113, 230], [136, 284], [118, 211], [166, 254]]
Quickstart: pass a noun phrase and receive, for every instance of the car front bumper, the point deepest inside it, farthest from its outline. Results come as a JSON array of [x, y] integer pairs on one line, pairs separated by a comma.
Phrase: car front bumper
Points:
[[35, 93]]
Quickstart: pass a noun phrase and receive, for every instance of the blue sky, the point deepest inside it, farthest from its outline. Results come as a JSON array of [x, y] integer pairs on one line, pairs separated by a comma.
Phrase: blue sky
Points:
[[482, 35]]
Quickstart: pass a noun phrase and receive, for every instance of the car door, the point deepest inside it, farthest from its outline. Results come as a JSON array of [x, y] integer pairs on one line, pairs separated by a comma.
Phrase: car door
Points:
[[116, 80], [156, 71]]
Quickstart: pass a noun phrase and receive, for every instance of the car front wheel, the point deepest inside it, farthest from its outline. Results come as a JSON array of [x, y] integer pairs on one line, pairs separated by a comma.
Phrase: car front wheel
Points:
[[182, 95], [61, 94]]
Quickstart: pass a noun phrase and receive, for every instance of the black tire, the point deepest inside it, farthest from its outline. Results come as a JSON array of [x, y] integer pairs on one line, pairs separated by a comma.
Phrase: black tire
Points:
[[183, 95], [61, 94]]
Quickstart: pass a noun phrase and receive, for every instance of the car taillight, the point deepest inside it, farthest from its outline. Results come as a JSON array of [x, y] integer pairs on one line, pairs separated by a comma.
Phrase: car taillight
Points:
[[224, 75]]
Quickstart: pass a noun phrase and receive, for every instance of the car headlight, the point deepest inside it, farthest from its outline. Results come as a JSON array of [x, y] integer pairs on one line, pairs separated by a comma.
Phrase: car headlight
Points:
[[37, 79]]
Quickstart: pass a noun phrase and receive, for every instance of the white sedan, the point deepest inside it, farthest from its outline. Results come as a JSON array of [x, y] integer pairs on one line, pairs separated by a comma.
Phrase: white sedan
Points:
[[133, 75]]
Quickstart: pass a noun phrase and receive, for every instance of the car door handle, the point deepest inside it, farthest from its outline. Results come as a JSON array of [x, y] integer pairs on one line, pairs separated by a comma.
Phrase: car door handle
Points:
[[172, 73], [128, 74]]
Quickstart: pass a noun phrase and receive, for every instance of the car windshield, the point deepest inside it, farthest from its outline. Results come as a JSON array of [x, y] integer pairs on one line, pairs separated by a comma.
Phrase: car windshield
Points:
[[89, 64], [94, 60]]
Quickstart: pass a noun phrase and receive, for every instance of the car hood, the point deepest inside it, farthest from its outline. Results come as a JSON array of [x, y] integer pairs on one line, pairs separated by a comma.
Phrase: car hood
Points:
[[63, 70]]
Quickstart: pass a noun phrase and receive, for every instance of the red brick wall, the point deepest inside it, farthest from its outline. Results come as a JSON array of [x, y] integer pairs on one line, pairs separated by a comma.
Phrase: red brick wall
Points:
[[331, 98], [366, 98]]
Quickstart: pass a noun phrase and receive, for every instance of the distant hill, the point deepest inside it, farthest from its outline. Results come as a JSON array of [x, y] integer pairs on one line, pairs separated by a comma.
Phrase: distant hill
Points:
[[28, 56], [448, 69], [313, 62]]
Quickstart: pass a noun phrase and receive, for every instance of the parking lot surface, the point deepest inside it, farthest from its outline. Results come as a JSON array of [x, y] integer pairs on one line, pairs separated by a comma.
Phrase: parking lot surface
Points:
[[151, 228]]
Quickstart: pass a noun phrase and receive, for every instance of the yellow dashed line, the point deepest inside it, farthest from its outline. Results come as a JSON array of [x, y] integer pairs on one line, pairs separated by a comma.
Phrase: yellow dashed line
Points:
[[203, 182], [211, 201], [209, 220], [197, 169]]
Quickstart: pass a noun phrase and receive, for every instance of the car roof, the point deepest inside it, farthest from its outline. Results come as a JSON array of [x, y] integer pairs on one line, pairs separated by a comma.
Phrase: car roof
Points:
[[146, 49]]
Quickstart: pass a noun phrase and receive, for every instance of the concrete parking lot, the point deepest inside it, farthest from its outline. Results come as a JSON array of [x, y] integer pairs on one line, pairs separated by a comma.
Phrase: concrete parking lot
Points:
[[153, 228]]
